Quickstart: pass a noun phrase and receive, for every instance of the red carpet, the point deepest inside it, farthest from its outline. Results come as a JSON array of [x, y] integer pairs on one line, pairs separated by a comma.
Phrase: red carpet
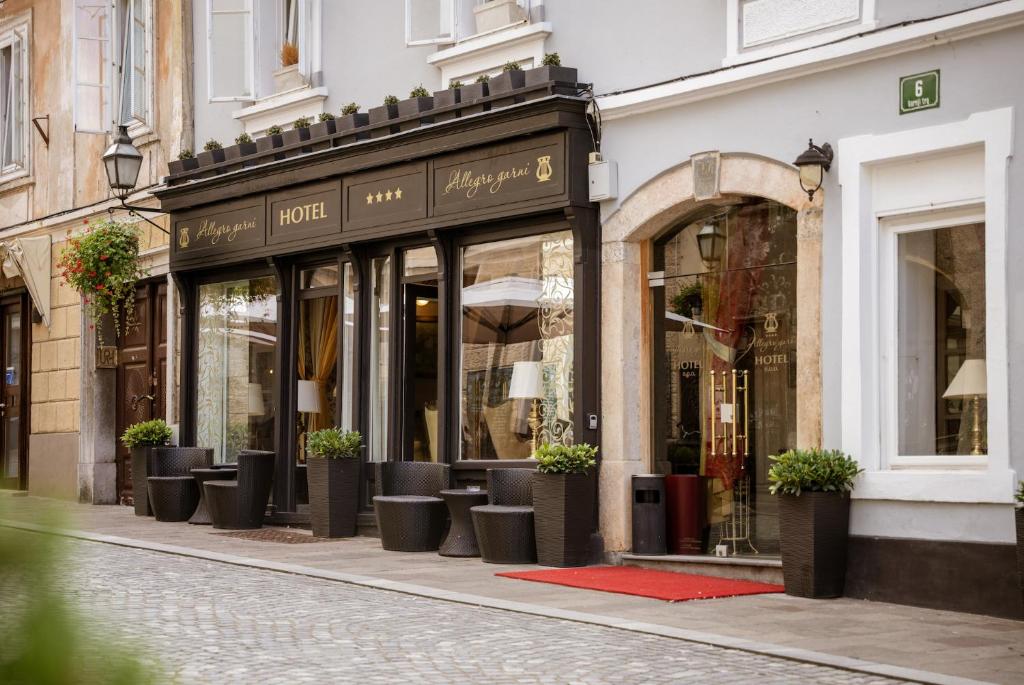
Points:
[[629, 580]]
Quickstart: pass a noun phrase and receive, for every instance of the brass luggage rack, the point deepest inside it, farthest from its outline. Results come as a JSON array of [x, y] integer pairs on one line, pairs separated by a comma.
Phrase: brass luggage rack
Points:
[[735, 444]]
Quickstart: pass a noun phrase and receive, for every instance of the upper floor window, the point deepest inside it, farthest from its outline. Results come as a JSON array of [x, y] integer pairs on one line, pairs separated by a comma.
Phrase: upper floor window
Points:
[[763, 28], [230, 38], [93, 65], [430, 21], [13, 98], [134, 90]]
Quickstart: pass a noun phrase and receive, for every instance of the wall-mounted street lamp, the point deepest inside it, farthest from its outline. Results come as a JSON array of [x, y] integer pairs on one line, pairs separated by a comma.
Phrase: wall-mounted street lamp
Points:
[[122, 162], [813, 163], [711, 244]]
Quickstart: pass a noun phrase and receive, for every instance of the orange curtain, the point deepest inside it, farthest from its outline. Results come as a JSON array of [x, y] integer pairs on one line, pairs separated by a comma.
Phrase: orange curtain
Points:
[[318, 353]]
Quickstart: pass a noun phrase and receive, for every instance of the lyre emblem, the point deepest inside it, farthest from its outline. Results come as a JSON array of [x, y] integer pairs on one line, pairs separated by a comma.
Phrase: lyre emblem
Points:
[[183, 237], [688, 329], [771, 323], [544, 169]]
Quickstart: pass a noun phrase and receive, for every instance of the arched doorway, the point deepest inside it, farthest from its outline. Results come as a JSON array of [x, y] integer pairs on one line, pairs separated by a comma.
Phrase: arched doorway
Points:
[[724, 348]]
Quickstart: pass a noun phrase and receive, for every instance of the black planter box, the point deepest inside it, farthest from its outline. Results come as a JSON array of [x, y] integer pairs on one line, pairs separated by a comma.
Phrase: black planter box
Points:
[[180, 166], [382, 114], [142, 463], [472, 93], [239, 152], [414, 106], [268, 143], [563, 506], [208, 158], [294, 136], [347, 128], [563, 80], [320, 133], [447, 98], [333, 496], [814, 530], [506, 82]]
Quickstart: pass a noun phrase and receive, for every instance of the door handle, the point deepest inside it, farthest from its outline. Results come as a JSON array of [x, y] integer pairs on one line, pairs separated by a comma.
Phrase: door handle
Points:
[[136, 398]]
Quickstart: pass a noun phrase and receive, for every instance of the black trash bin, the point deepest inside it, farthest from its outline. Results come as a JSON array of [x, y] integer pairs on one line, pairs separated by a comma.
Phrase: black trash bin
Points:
[[648, 496]]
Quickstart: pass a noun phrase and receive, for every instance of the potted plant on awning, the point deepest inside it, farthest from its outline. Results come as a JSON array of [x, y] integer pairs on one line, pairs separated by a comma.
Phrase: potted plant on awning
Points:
[[332, 468], [814, 488], [563, 503], [141, 438]]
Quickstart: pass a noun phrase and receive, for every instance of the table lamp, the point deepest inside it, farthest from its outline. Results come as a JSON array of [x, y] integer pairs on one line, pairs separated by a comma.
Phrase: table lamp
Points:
[[971, 383], [308, 397], [256, 400], [526, 384]]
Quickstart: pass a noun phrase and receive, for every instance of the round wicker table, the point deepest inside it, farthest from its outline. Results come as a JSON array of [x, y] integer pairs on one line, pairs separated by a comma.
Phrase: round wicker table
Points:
[[202, 514], [461, 540]]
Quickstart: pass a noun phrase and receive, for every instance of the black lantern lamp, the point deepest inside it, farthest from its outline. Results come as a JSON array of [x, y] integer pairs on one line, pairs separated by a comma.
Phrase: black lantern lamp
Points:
[[711, 244], [813, 163], [122, 162]]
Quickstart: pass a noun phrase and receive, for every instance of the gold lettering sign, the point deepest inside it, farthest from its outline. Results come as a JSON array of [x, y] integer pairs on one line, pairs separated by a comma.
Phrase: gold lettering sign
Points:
[[470, 183], [229, 230], [212, 232], [300, 214]]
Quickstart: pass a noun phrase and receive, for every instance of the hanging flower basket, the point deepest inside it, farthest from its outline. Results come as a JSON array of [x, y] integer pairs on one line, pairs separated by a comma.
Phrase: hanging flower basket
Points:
[[102, 264]]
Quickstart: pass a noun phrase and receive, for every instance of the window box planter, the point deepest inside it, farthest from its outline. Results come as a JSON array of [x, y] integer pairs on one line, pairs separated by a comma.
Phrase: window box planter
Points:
[[506, 82], [470, 94], [563, 80], [382, 114], [321, 132], [447, 98], [180, 166], [209, 158], [293, 137], [333, 495], [347, 128], [268, 143], [814, 527], [494, 14], [563, 507], [413, 106], [142, 465], [239, 152]]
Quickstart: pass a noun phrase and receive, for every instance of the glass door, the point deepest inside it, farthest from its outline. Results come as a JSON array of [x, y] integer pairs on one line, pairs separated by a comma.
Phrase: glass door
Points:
[[13, 457], [419, 417], [725, 366]]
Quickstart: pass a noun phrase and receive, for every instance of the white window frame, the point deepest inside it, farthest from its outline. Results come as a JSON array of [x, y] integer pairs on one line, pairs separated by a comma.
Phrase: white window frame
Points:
[[18, 28], [440, 40], [736, 54], [137, 126], [867, 421], [111, 97], [254, 46]]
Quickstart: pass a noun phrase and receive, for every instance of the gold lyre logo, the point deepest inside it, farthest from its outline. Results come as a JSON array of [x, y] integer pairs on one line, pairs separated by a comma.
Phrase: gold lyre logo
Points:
[[771, 323], [183, 237], [544, 169]]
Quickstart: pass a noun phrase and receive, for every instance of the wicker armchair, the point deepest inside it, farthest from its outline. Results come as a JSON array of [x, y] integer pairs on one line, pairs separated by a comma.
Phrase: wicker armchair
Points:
[[241, 504], [411, 516], [504, 527], [172, 491]]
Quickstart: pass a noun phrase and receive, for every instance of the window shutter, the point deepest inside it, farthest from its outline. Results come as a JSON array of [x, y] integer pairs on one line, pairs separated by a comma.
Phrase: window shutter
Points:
[[429, 21], [93, 71], [12, 124], [139, 61], [230, 66]]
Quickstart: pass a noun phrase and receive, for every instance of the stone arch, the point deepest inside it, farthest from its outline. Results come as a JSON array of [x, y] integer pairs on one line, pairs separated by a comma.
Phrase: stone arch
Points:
[[649, 211]]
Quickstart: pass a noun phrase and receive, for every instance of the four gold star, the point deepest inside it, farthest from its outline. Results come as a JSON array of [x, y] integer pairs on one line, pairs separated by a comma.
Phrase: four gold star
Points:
[[385, 196]]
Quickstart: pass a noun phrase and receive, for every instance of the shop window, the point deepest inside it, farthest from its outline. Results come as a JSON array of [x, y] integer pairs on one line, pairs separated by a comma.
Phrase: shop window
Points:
[[230, 53], [235, 366], [380, 346], [93, 70], [316, 361], [13, 100], [517, 345], [940, 341]]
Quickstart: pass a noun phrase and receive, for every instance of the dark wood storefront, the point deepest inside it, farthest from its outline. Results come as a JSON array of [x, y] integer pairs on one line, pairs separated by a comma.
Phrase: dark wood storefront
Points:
[[512, 173]]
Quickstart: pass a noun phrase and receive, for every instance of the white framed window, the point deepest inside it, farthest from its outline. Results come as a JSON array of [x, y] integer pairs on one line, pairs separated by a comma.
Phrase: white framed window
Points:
[[94, 36], [135, 62], [14, 98], [430, 21], [230, 50], [924, 298], [756, 29]]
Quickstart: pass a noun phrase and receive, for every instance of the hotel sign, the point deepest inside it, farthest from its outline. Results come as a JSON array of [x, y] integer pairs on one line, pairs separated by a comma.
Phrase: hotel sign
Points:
[[233, 227], [310, 212]]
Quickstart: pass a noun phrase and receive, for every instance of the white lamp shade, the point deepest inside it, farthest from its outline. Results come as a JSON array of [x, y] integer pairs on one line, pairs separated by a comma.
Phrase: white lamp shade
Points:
[[526, 381], [256, 400], [308, 399], [970, 381]]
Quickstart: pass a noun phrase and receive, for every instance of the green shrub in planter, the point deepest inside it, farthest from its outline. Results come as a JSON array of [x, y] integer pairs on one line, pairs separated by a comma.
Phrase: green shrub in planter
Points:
[[563, 503], [147, 434], [141, 438], [332, 470], [814, 519], [565, 458]]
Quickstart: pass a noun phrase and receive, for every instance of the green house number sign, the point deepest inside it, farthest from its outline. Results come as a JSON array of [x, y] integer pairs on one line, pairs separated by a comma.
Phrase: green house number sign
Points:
[[919, 91]]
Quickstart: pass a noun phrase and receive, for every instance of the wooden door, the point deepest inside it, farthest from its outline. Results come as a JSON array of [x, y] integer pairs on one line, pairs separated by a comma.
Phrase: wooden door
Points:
[[141, 370], [13, 395]]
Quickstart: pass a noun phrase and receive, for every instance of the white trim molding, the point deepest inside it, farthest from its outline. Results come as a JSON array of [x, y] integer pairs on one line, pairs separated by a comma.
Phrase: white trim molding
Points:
[[281, 108], [871, 170], [16, 30], [798, 63], [486, 53]]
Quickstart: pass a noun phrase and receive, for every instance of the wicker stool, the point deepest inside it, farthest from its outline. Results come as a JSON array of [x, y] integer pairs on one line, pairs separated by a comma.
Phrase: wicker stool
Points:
[[410, 523], [505, 534], [202, 515], [241, 504], [173, 498]]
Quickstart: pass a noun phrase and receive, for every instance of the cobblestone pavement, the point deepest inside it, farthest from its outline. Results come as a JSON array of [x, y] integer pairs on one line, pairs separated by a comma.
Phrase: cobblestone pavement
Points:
[[208, 622]]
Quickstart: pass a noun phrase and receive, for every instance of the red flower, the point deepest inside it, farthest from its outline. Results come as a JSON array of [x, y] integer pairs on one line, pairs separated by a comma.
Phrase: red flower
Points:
[[104, 257], [86, 300]]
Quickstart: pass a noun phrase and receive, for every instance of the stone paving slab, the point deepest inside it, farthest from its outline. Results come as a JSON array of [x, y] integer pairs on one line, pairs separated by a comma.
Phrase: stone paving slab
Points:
[[904, 637]]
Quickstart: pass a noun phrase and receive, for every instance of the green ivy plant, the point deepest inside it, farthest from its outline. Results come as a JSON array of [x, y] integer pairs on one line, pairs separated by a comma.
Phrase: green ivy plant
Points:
[[334, 443], [813, 470], [146, 434], [102, 264], [551, 59], [325, 116], [565, 458], [511, 66], [212, 145], [274, 130], [350, 108], [302, 122], [243, 138], [390, 100], [419, 92]]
